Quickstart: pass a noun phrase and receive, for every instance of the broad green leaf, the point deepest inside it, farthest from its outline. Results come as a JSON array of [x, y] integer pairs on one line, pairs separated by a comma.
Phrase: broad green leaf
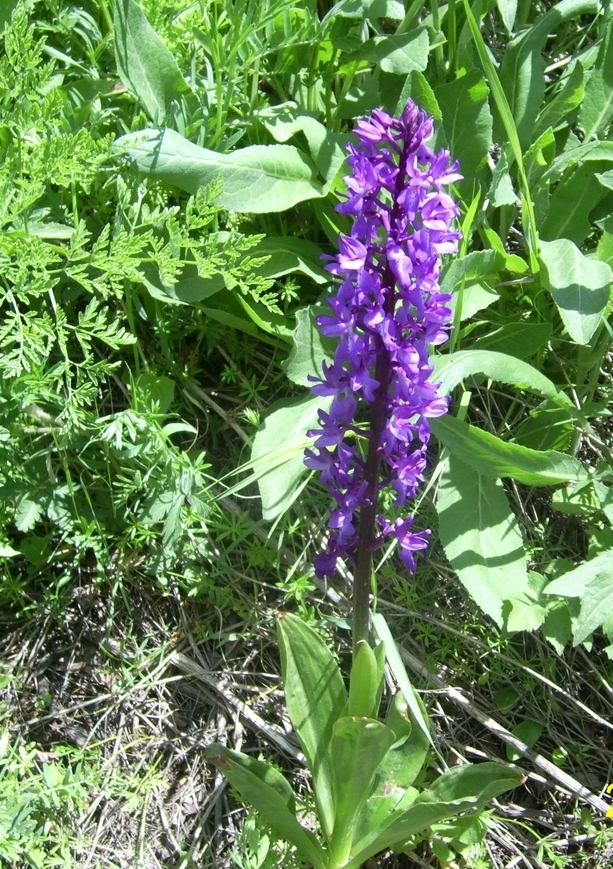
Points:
[[596, 110], [580, 287], [573, 583], [453, 369], [522, 339], [268, 792], [508, 11], [523, 614], [287, 255], [467, 122], [260, 178], [145, 65], [557, 627], [481, 537], [548, 426], [423, 95], [327, 149], [392, 790], [480, 781], [460, 789], [529, 732], [605, 248], [278, 451], [564, 102], [596, 608], [494, 457], [397, 54], [470, 281], [522, 71], [310, 349], [315, 698], [590, 151], [369, 9], [570, 206], [357, 748]]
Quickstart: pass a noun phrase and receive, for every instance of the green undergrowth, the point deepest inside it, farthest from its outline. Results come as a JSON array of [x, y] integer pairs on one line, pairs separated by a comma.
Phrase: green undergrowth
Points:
[[157, 304]]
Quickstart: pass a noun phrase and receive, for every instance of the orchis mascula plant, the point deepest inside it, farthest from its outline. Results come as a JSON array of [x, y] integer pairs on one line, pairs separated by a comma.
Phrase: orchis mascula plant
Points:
[[388, 309]]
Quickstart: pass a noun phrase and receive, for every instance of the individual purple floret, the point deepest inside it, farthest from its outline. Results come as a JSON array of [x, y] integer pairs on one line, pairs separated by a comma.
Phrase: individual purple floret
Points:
[[387, 310]]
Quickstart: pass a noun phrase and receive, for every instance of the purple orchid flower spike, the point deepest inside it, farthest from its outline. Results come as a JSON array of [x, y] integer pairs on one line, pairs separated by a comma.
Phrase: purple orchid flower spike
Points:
[[386, 313]]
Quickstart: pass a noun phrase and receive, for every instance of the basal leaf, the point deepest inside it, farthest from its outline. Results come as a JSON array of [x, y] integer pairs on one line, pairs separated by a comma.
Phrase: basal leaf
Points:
[[268, 792], [481, 537], [145, 65], [260, 178], [596, 110], [357, 748], [494, 457], [580, 287], [315, 697]]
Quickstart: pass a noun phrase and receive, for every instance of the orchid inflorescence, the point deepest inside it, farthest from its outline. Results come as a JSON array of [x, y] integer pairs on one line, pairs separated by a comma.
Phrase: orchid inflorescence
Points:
[[387, 310]]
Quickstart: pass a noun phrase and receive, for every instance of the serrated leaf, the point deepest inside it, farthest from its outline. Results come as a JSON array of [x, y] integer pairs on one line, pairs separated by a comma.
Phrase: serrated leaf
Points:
[[523, 614], [557, 627], [145, 65], [258, 179], [494, 457], [579, 286], [481, 537], [315, 697], [27, 514]]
